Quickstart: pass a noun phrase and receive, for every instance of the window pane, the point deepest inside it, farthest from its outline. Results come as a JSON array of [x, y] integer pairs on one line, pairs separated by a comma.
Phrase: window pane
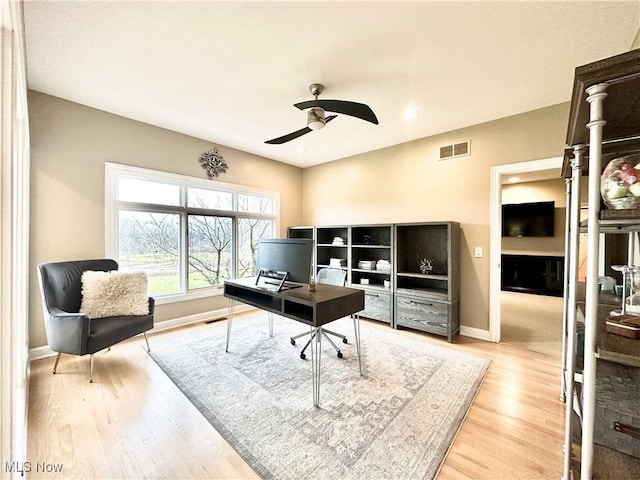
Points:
[[203, 198], [251, 230], [143, 191], [150, 242], [210, 250], [255, 203]]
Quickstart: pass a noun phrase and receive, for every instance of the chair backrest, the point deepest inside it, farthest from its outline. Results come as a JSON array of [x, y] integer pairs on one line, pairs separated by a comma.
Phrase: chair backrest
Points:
[[332, 276], [61, 285]]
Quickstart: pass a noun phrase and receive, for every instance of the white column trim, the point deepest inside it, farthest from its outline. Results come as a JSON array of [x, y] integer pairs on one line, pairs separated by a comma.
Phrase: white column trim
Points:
[[596, 96], [14, 238]]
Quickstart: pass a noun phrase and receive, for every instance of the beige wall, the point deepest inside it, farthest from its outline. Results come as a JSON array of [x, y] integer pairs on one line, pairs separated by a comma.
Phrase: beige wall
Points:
[[408, 183], [70, 144]]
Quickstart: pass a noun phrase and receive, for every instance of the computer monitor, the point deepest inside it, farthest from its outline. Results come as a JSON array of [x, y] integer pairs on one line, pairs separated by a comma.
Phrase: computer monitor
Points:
[[291, 255]]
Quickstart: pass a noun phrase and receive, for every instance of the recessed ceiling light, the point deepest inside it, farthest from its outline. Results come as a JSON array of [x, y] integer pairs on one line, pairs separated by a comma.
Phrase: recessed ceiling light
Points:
[[514, 179], [411, 113]]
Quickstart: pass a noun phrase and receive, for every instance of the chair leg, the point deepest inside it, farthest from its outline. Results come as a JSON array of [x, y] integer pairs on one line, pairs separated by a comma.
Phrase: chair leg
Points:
[[339, 335], [91, 368], [324, 334], [321, 332], [293, 339], [146, 339], [311, 337], [55, 365]]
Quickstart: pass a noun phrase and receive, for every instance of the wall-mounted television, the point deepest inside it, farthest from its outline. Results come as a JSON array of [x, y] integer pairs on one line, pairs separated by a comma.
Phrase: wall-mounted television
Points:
[[534, 219]]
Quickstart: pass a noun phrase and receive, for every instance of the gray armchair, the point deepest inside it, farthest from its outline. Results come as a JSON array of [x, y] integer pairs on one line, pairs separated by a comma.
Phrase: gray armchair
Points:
[[71, 331]]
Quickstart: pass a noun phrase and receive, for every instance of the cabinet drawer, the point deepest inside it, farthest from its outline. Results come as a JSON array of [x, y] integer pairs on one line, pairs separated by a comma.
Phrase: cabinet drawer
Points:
[[423, 314], [377, 306]]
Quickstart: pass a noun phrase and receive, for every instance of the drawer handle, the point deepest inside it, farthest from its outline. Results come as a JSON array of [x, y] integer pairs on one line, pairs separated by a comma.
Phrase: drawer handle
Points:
[[626, 429], [372, 295], [421, 303]]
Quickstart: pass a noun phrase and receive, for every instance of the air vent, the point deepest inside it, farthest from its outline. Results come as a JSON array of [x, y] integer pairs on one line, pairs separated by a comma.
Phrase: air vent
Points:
[[455, 150]]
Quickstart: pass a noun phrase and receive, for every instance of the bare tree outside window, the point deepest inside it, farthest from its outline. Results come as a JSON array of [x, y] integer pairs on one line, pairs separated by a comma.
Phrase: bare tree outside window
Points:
[[151, 242], [251, 231], [211, 199], [255, 203], [210, 250]]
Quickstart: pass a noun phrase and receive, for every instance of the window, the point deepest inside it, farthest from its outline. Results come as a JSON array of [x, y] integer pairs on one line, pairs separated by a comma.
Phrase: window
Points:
[[210, 253], [144, 191], [251, 231], [188, 234], [255, 203], [214, 199], [150, 241]]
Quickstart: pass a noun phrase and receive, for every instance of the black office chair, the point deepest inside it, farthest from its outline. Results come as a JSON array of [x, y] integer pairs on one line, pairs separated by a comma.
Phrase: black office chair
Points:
[[331, 276], [71, 331]]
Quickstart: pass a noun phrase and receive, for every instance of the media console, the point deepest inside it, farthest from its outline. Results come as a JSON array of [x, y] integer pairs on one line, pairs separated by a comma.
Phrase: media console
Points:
[[537, 274]]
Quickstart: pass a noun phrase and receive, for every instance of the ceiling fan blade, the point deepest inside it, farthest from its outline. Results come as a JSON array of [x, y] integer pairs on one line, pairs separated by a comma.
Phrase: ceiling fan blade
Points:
[[353, 109], [292, 136], [288, 137]]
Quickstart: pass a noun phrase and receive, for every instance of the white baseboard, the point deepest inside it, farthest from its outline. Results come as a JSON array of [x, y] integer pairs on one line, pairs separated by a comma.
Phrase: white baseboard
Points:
[[475, 333], [198, 317], [37, 353]]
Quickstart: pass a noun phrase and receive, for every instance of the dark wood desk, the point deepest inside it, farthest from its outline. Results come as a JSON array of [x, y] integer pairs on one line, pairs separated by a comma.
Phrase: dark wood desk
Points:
[[314, 308]]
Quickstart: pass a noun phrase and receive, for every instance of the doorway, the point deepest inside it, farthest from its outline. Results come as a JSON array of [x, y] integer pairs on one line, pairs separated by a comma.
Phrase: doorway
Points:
[[533, 170]]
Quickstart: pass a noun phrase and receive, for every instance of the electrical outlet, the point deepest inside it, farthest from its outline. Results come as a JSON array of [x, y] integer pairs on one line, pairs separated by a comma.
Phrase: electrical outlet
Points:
[[478, 252]]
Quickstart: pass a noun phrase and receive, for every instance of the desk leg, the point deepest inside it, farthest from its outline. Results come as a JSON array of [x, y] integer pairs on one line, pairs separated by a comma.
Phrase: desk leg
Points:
[[316, 355], [229, 322], [356, 329], [270, 316]]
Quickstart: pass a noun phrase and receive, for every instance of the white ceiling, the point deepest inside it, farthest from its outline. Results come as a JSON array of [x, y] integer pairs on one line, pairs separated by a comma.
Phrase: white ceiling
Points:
[[230, 72]]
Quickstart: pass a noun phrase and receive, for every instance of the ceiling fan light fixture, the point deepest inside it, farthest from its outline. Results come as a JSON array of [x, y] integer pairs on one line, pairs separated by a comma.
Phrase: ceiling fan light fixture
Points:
[[315, 118]]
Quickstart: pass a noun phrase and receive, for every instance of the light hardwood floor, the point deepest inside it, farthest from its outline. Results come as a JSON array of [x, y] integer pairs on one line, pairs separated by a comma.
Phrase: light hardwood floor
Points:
[[133, 422]]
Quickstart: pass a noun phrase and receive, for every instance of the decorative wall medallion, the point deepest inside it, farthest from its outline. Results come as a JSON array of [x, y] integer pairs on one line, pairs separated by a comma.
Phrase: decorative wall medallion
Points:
[[213, 163]]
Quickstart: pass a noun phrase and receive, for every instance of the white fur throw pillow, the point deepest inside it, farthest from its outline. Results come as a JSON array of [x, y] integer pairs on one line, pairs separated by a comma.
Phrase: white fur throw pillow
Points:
[[109, 294]]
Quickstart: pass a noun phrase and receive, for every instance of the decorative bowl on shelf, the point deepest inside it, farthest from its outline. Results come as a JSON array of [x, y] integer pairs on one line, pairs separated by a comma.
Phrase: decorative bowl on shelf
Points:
[[620, 183]]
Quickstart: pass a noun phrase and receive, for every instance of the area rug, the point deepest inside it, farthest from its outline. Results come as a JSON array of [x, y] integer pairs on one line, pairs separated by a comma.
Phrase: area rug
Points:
[[396, 421]]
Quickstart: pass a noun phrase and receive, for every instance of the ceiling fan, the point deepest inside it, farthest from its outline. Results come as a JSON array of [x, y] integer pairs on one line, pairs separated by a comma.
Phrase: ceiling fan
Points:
[[316, 118]]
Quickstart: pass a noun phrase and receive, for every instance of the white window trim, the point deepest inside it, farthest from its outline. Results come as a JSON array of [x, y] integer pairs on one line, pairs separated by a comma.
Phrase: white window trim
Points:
[[114, 170]]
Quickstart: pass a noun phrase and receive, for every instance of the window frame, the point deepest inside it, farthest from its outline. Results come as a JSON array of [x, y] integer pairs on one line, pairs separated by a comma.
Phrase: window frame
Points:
[[114, 171]]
